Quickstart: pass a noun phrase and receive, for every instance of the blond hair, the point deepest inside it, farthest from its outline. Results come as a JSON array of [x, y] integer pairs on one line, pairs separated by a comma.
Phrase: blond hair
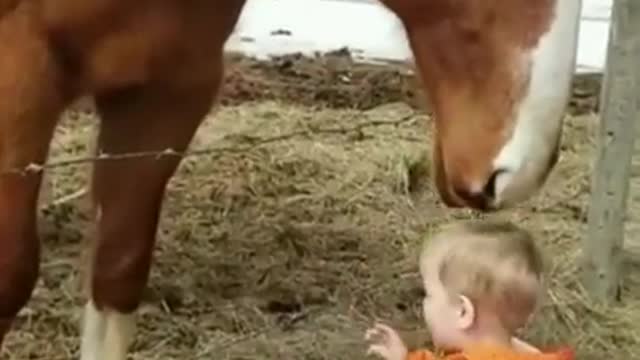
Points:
[[496, 264]]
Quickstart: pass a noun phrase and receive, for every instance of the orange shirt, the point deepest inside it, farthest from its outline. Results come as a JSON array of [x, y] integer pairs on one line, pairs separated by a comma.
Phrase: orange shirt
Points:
[[493, 353]]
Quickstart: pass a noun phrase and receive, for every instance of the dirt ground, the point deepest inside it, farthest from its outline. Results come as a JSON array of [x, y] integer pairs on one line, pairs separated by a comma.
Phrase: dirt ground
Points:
[[300, 226]]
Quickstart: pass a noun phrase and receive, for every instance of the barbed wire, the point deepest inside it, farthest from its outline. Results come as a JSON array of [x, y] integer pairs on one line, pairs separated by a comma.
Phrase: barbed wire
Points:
[[250, 142]]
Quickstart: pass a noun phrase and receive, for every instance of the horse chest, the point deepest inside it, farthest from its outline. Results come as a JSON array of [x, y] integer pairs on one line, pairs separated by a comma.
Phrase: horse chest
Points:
[[130, 56], [107, 54]]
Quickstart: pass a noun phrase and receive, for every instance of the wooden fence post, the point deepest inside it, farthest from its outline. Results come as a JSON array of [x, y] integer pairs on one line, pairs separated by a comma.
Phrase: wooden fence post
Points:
[[620, 99]]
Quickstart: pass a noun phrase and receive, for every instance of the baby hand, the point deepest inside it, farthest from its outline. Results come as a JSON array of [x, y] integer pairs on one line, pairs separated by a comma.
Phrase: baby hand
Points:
[[386, 343]]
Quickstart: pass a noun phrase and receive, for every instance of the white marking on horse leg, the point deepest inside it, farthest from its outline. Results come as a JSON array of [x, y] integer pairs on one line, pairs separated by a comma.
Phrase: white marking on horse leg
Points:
[[94, 324], [106, 335], [93, 333], [121, 329]]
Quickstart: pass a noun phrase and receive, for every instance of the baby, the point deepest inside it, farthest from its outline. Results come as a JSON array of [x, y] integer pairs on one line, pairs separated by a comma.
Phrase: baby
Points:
[[482, 281]]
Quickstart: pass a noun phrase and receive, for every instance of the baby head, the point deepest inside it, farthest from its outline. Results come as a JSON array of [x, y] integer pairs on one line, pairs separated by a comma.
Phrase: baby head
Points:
[[483, 281]]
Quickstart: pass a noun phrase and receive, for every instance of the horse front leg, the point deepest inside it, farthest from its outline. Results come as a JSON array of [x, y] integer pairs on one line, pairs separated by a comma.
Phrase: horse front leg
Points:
[[30, 103], [127, 195]]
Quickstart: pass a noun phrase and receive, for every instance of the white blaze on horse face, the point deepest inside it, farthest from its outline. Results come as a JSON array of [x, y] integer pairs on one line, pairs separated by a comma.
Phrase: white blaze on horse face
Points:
[[524, 161]]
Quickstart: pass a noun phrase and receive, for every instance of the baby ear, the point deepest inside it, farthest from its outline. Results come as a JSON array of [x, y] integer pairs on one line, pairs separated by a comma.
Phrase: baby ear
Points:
[[466, 312]]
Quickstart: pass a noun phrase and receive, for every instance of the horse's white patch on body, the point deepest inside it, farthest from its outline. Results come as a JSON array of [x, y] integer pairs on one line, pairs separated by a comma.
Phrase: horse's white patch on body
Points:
[[539, 117]]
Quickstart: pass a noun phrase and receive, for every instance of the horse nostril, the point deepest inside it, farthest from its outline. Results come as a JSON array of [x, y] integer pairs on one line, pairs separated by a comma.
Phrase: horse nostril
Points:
[[489, 189], [481, 198], [476, 200]]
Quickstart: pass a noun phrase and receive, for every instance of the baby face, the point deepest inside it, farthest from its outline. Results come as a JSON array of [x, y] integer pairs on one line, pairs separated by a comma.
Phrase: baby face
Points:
[[441, 312]]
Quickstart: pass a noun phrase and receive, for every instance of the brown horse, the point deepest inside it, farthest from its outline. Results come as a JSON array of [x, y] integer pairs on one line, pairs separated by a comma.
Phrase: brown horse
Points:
[[497, 74]]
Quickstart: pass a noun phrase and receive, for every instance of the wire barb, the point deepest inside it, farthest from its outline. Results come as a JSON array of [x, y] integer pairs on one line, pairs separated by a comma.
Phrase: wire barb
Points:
[[249, 143]]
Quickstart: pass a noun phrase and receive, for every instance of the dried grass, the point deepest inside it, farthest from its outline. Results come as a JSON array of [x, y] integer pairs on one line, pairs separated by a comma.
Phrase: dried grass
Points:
[[290, 249]]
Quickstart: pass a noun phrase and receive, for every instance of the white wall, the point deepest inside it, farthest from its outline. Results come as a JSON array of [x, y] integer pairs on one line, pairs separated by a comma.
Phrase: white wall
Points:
[[370, 30]]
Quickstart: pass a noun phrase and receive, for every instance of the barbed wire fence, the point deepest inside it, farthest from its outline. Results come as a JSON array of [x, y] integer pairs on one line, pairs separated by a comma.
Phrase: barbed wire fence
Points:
[[249, 143], [242, 143]]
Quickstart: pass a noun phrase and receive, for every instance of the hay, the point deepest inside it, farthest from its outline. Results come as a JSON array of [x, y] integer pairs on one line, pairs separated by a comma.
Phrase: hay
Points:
[[291, 249]]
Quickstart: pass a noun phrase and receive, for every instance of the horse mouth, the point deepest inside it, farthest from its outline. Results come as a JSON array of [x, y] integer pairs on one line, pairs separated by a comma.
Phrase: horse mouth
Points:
[[460, 197]]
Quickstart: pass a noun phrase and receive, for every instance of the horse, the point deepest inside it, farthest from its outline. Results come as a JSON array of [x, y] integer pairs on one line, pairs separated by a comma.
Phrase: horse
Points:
[[497, 75]]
